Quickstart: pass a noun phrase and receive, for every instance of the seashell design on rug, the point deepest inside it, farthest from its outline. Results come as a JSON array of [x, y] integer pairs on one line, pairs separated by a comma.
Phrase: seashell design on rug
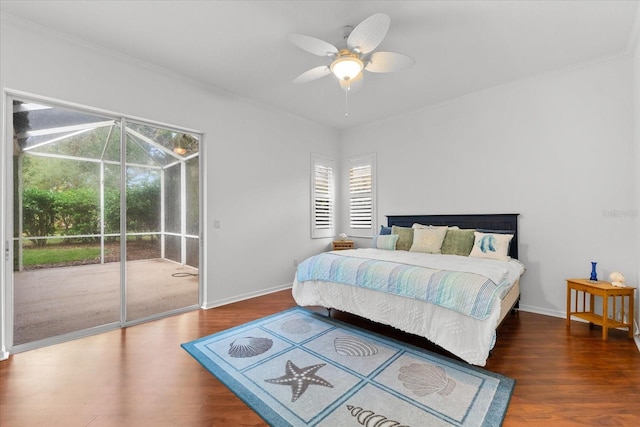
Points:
[[371, 419], [296, 326], [249, 346], [423, 379], [351, 346]]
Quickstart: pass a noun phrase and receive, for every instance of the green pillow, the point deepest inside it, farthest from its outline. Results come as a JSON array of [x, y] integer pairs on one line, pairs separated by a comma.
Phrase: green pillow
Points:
[[458, 242], [405, 237]]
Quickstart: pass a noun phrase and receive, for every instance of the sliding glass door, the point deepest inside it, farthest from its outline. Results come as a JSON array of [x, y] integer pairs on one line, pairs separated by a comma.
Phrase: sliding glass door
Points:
[[88, 189], [161, 278], [66, 273]]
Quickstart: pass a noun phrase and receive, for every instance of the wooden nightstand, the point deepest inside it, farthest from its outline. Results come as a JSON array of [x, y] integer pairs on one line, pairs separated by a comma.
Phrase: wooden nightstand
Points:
[[583, 307], [339, 245]]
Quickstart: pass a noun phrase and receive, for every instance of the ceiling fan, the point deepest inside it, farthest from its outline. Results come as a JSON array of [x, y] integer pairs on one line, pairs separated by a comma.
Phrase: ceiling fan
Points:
[[347, 64]]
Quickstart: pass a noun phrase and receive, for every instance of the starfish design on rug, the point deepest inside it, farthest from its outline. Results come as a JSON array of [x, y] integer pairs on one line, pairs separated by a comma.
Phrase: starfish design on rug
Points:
[[300, 378]]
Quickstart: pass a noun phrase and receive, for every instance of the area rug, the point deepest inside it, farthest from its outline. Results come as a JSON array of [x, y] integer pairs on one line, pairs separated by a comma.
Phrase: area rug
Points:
[[301, 368]]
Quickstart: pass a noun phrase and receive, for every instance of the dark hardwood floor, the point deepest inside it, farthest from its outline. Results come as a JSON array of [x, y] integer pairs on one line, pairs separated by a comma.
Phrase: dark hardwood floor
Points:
[[141, 376]]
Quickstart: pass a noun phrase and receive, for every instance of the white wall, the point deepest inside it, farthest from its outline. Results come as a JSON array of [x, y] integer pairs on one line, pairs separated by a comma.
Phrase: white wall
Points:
[[256, 159], [557, 149]]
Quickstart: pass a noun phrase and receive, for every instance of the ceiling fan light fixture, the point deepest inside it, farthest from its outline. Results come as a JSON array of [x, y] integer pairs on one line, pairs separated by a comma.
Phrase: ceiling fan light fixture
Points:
[[347, 67]]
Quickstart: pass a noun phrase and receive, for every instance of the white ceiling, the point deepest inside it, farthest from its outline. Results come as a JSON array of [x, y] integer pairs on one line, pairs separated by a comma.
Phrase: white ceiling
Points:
[[459, 47]]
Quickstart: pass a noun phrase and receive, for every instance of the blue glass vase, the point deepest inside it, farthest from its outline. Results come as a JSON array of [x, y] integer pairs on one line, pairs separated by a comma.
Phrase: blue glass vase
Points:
[[594, 274]]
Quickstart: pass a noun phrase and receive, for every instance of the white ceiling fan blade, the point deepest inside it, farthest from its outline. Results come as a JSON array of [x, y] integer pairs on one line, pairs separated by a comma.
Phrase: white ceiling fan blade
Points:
[[388, 62], [354, 85], [313, 45], [369, 33], [313, 74]]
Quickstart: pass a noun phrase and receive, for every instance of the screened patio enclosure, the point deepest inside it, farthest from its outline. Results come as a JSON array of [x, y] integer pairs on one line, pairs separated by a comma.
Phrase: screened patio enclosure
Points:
[[75, 208], [82, 152]]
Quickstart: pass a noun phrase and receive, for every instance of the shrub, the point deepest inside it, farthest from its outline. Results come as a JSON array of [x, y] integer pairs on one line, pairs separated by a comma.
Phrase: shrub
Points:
[[78, 212], [39, 214]]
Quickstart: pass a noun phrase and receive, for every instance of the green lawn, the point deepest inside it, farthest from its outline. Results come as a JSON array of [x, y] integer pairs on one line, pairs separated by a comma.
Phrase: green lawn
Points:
[[56, 255]]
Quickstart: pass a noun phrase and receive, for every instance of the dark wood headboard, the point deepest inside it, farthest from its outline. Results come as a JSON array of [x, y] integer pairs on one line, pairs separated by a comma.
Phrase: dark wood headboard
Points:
[[506, 222]]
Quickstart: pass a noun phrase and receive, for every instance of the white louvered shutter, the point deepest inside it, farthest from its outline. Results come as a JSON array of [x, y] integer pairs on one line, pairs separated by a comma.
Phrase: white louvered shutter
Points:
[[361, 197], [322, 201]]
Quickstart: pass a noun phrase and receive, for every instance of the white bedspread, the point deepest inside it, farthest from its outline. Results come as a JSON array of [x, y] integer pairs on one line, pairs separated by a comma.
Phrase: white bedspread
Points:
[[466, 337]]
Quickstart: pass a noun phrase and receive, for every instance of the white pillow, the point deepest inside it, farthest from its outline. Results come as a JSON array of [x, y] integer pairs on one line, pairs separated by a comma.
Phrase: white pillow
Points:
[[428, 240], [387, 241], [491, 245]]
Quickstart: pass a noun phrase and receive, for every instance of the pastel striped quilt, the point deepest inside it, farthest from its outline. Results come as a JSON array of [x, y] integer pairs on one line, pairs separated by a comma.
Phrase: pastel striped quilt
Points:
[[469, 293]]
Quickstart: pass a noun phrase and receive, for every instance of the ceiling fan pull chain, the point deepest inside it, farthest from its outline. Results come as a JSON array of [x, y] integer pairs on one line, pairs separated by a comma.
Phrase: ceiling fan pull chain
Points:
[[346, 101]]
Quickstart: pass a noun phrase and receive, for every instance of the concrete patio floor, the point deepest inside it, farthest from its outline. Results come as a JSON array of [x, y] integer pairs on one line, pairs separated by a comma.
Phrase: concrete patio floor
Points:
[[55, 301]]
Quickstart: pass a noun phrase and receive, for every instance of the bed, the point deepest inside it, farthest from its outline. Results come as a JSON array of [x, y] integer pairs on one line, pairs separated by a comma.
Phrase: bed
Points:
[[455, 299]]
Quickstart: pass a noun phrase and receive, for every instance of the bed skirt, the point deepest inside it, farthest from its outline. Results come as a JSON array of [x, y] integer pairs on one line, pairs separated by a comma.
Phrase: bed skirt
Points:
[[468, 338]]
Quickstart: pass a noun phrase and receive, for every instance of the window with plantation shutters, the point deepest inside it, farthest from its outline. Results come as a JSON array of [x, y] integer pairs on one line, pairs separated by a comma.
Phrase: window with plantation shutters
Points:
[[322, 199], [361, 196]]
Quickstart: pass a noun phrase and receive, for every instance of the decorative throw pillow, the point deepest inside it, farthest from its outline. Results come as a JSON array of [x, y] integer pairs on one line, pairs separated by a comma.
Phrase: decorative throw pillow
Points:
[[491, 245], [387, 241], [458, 242], [428, 240], [405, 237], [384, 230]]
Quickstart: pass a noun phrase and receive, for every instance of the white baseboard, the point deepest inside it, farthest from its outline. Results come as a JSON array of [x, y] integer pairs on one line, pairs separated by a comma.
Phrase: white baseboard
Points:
[[217, 303], [544, 311]]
